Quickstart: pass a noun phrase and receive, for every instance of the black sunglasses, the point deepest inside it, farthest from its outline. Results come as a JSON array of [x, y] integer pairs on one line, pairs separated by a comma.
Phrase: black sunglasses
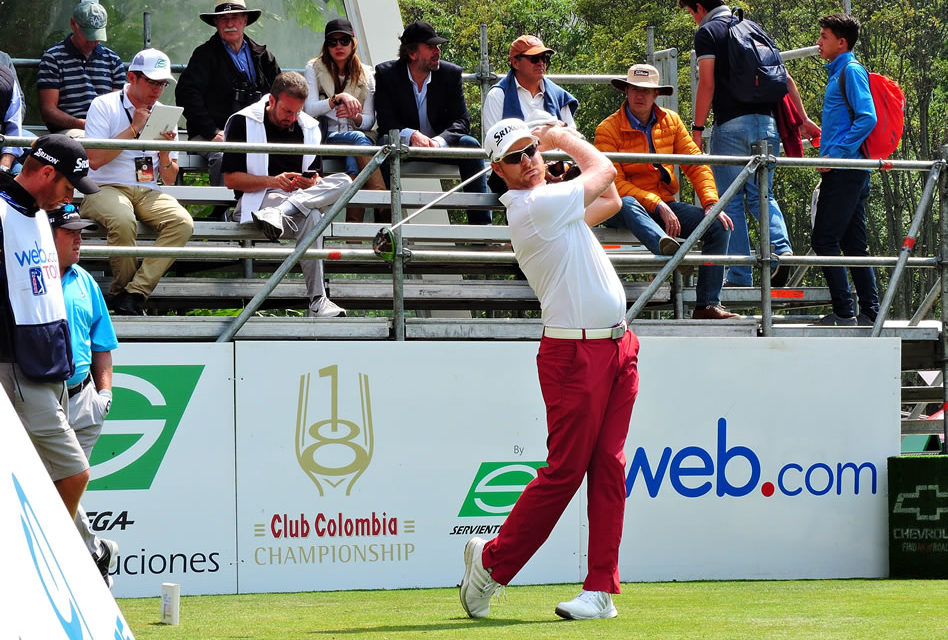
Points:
[[342, 40], [153, 83], [515, 157], [545, 57]]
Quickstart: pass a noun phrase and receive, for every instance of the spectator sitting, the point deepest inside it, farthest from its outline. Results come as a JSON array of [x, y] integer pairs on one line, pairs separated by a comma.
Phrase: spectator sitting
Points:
[[11, 106], [648, 191], [73, 72], [93, 340], [342, 93], [129, 188], [526, 90], [421, 96], [225, 74], [283, 193]]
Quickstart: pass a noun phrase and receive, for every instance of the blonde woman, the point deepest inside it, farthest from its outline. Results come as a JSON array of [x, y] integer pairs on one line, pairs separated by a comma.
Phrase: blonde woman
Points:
[[341, 95]]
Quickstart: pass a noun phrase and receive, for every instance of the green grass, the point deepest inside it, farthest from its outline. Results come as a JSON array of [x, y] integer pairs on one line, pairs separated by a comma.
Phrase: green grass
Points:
[[824, 609]]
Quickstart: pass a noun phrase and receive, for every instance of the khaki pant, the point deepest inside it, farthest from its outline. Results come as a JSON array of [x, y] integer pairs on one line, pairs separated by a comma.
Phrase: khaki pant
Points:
[[118, 208]]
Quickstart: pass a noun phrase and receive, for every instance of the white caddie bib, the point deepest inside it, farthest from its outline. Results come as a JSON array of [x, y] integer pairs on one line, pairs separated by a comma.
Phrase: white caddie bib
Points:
[[32, 268]]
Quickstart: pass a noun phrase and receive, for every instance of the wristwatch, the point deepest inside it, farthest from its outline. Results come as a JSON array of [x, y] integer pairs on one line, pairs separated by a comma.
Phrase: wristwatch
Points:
[[695, 127]]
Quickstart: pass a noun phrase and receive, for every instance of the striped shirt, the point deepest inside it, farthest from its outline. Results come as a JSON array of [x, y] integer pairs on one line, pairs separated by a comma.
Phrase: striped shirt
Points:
[[79, 80]]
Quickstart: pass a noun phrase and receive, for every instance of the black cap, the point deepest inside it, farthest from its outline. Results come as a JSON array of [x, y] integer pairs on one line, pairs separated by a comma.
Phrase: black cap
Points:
[[67, 217], [339, 25], [68, 158], [421, 31]]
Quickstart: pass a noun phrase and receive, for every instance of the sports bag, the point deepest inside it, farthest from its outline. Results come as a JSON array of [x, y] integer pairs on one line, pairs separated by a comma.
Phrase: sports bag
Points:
[[757, 72], [889, 102]]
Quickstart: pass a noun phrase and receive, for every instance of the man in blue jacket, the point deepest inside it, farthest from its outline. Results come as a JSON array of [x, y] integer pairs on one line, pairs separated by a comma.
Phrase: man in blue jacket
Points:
[[840, 223]]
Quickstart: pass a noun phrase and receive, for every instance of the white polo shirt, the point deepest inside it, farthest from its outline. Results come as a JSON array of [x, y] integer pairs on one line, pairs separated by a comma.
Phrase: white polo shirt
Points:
[[564, 263], [529, 103], [109, 115]]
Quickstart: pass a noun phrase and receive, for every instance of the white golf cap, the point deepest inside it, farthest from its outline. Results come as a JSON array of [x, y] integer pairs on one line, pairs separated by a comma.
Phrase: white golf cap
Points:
[[503, 135], [154, 64]]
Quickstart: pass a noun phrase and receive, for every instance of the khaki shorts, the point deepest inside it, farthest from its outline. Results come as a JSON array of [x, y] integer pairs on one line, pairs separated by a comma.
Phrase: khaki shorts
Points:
[[42, 409]]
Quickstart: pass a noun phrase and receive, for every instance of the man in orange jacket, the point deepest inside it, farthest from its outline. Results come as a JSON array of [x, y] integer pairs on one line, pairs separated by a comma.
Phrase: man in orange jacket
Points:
[[648, 191]]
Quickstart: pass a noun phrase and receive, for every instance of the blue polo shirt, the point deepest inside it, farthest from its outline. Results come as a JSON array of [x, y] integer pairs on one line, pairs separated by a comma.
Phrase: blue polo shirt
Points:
[[90, 327], [79, 80]]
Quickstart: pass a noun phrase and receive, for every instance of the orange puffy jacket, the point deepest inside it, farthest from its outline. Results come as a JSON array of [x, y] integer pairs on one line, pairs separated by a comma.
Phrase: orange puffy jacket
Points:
[[643, 181]]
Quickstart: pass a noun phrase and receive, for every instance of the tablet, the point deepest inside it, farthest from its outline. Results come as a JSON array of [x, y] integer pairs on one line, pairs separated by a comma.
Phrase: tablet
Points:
[[163, 118]]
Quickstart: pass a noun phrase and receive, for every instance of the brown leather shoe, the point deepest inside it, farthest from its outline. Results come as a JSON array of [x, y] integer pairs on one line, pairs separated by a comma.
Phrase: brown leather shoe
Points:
[[714, 312]]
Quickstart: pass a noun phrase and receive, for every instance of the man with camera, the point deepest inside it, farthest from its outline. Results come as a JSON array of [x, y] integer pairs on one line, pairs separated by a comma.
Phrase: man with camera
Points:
[[225, 74], [284, 194]]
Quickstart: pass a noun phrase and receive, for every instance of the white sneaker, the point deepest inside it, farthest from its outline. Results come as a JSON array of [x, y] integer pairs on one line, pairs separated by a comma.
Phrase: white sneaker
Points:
[[588, 605], [270, 221], [477, 587], [323, 307]]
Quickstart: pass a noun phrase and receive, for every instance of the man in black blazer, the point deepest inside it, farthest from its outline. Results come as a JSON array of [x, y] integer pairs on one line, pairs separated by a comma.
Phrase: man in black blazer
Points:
[[421, 96]]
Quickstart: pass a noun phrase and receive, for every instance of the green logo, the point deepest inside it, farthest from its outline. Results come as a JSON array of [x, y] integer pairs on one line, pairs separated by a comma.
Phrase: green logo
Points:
[[496, 487], [147, 405]]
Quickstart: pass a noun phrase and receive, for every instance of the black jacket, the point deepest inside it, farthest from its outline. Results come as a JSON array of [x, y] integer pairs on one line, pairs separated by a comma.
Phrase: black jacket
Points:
[[211, 88], [395, 101]]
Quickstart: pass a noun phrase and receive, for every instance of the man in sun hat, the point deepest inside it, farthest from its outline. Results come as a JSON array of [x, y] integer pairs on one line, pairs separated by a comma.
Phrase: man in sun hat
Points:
[[648, 191], [130, 192], [225, 74], [587, 365], [421, 96], [35, 347], [73, 72]]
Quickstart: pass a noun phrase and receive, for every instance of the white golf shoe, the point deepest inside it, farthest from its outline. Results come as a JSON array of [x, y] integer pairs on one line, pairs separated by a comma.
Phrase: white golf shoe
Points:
[[588, 605], [477, 587]]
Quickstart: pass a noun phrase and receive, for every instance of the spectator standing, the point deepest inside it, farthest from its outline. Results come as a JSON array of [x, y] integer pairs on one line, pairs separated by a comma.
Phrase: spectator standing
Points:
[[284, 194], [342, 97], [93, 340], [225, 74], [587, 365], [35, 348], [73, 72], [840, 223], [648, 191], [738, 125], [129, 186], [421, 96]]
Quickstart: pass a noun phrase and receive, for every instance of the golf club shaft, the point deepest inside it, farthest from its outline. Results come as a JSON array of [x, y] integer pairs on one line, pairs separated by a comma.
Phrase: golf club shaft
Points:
[[441, 197]]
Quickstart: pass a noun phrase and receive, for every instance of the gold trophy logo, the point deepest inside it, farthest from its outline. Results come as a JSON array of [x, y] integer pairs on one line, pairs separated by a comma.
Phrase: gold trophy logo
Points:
[[333, 450]]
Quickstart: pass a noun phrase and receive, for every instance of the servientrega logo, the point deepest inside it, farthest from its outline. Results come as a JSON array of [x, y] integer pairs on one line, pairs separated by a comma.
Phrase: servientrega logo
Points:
[[496, 487], [148, 404]]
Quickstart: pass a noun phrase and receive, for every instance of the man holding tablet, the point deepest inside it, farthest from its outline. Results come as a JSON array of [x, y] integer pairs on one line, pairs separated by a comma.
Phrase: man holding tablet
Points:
[[129, 181]]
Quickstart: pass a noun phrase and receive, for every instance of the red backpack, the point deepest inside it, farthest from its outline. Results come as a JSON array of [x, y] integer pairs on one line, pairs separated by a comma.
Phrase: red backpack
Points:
[[889, 102]]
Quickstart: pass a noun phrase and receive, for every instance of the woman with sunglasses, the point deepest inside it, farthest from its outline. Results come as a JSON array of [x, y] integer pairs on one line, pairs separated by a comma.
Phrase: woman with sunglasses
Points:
[[341, 96]]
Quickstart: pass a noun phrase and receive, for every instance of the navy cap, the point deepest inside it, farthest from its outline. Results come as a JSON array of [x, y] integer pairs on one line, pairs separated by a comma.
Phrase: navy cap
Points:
[[67, 217], [68, 158]]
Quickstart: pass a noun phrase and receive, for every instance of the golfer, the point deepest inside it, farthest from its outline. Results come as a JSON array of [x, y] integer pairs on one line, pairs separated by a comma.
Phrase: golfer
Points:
[[587, 364]]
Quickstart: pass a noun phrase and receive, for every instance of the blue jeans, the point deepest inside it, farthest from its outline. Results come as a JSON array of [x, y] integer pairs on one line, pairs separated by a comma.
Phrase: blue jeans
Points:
[[350, 138], [736, 138], [650, 229], [467, 167], [840, 227]]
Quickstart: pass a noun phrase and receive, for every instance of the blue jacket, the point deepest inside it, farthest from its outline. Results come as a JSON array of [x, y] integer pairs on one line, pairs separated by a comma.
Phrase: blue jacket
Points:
[[843, 134]]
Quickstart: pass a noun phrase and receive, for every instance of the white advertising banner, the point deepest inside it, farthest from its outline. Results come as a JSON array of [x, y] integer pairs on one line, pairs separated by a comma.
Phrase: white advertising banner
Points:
[[364, 465], [163, 469], [50, 588]]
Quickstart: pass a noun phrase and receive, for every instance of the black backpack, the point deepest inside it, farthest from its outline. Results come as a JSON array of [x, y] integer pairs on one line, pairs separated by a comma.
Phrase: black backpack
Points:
[[757, 72]]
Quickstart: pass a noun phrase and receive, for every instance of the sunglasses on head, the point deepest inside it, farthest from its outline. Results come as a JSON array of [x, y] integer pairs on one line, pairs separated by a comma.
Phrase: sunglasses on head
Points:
[[545, 57], [345, 41], [515, 157]]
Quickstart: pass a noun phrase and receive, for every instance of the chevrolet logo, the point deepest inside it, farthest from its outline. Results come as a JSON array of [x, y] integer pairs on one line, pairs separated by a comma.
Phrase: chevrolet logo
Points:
[[926, 502]]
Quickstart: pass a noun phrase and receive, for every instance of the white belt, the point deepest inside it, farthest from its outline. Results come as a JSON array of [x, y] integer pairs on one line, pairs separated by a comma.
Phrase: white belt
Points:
[[613, 333]]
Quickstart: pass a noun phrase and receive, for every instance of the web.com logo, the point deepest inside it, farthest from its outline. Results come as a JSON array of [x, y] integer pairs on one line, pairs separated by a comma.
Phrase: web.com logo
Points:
[[693, 472]]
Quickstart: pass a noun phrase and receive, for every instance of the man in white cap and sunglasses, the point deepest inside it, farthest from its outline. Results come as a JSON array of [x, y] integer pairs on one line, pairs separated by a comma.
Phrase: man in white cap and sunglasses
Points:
[[129, 181], [648, 191], [587, 365]]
